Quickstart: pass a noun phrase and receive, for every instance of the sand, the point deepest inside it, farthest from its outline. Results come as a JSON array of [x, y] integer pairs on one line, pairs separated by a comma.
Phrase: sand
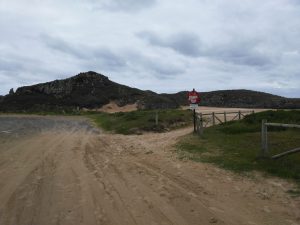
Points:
[[59, 170]]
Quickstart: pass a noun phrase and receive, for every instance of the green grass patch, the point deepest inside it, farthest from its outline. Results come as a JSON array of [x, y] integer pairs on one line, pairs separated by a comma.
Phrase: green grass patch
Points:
[[142, 120], [235, 145]]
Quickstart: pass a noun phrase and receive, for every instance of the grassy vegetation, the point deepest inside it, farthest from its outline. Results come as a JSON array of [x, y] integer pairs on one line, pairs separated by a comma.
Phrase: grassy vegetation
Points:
[[235, 145], [142, 120]]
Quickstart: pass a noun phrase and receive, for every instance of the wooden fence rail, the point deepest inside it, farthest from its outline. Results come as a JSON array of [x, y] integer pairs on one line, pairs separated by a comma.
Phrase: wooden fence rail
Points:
[[211, 119], [264, 139]]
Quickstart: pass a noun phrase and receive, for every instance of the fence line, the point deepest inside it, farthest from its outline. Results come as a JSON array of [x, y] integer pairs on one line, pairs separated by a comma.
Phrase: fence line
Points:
[[213, 118], [264, 139], [286, 153], [283, 125]]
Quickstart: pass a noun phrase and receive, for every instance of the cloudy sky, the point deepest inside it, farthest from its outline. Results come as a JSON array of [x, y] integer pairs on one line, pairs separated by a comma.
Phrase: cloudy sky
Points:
[[162, 45]]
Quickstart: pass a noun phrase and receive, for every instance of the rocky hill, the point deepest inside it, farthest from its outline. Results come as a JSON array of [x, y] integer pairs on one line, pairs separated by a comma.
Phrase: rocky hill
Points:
[[239, 98], [92, 90], [85, 90]]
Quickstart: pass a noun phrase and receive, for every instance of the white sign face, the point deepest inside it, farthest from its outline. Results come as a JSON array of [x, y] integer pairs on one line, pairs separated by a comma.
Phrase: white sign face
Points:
[[193, 99], [194, 106]]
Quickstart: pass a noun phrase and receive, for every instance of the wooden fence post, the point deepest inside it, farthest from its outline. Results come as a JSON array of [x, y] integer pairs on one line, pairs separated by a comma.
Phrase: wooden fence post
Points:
[[213, 119], [240, 115], [225, 117], [199, 124], [264, 138]]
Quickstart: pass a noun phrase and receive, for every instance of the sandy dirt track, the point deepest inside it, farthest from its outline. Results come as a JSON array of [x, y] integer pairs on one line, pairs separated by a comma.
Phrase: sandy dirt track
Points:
[[56, 170]]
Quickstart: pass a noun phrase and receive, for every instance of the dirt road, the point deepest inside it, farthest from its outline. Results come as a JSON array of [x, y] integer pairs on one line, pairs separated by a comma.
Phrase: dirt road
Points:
[[62, 171]]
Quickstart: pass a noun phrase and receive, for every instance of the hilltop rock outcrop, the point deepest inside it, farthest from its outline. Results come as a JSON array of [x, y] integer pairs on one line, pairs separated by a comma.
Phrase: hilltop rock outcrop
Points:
[[92, 91], [85, 90]]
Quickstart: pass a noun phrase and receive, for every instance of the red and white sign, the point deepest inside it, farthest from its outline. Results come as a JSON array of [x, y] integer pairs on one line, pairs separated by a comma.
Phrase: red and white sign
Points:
[[194, 97]]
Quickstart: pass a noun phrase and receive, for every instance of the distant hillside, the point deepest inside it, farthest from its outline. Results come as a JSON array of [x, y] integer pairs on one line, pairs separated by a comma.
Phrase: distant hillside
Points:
[[92, 90], [85, 90], [240, 99]]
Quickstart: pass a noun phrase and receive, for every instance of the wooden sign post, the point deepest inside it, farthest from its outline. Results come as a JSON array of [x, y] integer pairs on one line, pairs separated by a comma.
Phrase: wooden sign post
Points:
[[194, 100]]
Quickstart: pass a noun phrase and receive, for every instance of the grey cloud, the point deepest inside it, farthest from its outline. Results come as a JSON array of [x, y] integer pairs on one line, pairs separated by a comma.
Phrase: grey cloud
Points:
[[189, 44], [9, 65], [124, 5], [108, 59], [164, 70], [100, 55], [186, 44], [159, 67], [14, 64], [62, 46], [195, 41], [241, 53]]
